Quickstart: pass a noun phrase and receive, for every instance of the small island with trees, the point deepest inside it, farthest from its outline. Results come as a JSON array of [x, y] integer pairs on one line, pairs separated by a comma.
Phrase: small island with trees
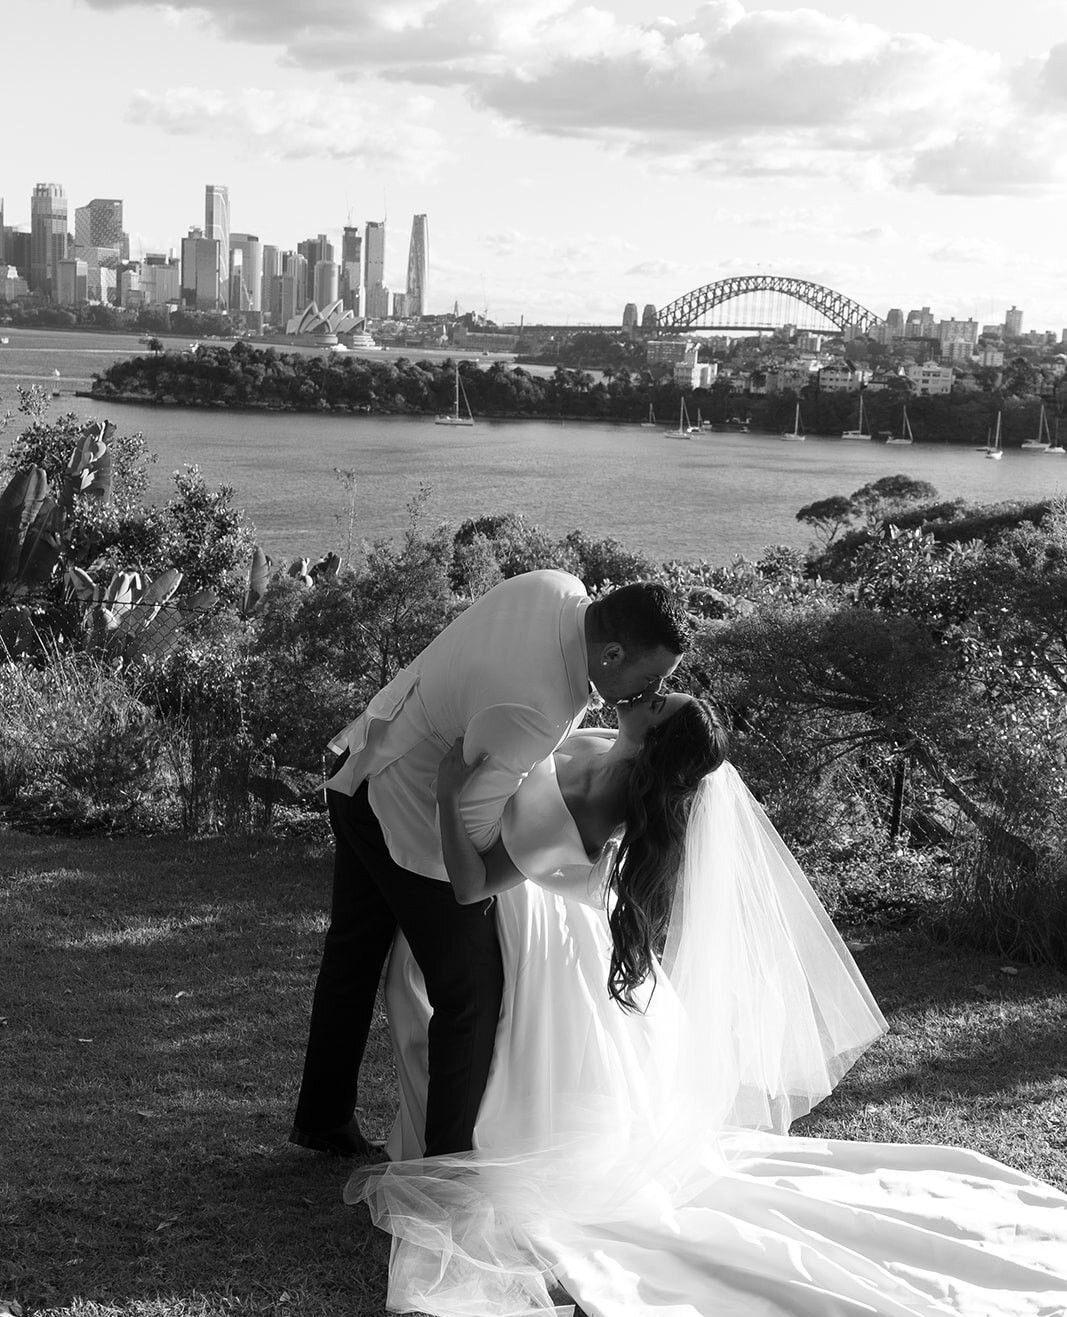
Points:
[[265, 378]]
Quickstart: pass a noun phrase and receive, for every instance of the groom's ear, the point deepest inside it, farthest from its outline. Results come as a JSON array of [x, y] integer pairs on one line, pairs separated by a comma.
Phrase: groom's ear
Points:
[[612, 655]]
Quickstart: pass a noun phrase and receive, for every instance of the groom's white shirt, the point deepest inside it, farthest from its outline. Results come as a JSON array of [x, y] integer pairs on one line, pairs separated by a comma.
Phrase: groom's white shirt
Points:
[[519, 650]]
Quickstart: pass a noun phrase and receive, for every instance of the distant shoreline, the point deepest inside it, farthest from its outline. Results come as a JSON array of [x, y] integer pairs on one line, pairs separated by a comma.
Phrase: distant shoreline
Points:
[[139, 400]]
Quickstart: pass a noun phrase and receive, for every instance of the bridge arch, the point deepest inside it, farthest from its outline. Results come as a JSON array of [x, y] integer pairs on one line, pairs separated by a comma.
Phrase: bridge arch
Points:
[[687, 311]]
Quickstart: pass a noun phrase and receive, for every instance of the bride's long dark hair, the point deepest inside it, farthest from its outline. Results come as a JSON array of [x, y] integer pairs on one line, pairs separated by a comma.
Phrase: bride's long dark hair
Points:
[[674, 758]]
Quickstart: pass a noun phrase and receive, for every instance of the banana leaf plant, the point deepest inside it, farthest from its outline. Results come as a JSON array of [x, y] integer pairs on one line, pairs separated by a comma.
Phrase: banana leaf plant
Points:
[[138, 617], [31, 541]]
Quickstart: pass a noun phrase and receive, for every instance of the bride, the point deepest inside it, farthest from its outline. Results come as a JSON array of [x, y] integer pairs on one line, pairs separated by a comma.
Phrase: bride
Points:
[[631, 1147]]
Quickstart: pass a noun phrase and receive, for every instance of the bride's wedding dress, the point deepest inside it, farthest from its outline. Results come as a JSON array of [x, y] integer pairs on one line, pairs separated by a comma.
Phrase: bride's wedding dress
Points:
[[631, 1159]]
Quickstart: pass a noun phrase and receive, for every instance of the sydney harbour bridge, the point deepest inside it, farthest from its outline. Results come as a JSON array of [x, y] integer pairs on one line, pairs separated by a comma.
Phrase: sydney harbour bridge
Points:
[[751, 303], [766, 302]]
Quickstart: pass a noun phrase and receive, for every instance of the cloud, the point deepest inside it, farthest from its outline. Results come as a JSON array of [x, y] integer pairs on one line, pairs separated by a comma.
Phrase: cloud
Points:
[[503, 243], [1009, 160], [967, 252], [655, 269], [295, 125], [760, 94]]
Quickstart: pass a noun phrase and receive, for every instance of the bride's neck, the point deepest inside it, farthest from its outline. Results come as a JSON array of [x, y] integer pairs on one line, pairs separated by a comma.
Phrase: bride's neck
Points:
[[614, 765]]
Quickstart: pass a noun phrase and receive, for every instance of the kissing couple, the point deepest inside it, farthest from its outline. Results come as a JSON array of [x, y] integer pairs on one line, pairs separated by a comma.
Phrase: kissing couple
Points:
[[610, 990]]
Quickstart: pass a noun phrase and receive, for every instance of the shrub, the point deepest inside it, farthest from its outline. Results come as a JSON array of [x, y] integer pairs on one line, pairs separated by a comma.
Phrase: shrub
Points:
[[77, 747]]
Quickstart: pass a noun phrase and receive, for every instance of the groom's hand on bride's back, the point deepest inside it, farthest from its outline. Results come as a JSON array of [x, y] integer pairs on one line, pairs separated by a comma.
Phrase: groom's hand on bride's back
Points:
[[454, 772]]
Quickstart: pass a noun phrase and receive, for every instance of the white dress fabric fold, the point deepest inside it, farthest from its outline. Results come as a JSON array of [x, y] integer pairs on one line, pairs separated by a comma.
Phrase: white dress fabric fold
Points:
[[635, 1163]]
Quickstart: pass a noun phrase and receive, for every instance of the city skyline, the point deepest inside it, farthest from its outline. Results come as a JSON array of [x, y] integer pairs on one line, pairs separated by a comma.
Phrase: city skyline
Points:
[[574, 159]]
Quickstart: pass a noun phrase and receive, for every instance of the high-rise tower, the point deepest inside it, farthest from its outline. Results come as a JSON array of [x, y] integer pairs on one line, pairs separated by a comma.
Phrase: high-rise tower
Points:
[[217, 227], [314, 250], [48, 236], [1013, 322], [99, 224], [270, 292], [418, 262], [351, 267], [200, 271], [246, 252], [377, 295]]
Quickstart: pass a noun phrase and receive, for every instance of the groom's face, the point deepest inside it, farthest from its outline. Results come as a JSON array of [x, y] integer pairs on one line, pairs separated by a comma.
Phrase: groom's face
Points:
[[621, 677]]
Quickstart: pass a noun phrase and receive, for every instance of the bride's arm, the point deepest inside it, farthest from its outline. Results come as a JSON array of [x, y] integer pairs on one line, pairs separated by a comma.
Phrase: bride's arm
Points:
[[473, 876]]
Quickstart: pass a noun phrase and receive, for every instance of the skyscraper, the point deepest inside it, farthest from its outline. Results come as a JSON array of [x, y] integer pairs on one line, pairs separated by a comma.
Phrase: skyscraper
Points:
[[200, 271], [376, 301], [1013, 322], [325, 281], [418, 263], [246, 251], [313, 250], [217, 227], [374, 253], [48, 236], [99, 240], [894, 323], [99, 224], [70, 288], [272, 269], [293, 286], [351, 267]]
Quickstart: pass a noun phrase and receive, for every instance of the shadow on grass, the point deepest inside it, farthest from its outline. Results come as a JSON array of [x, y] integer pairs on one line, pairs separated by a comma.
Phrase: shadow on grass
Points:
[[995, 1031], [155, 1007]]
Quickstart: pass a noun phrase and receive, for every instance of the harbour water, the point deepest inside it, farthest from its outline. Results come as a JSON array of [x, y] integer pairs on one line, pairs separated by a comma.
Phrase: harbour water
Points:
[[713, 496]]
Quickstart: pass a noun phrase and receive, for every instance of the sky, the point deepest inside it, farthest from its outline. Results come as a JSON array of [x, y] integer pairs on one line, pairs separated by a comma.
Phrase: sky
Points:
[[572, 157]]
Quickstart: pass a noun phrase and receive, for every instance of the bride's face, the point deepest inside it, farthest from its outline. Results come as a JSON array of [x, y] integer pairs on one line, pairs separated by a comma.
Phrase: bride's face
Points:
[[637, 720]]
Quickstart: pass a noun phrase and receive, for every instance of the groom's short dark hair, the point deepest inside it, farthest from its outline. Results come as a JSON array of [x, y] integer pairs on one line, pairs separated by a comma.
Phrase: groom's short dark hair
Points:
[[644, 616]]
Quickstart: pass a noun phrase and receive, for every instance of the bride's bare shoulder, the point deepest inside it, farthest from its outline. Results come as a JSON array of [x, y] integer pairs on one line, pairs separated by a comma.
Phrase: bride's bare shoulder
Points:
[[589, 741]]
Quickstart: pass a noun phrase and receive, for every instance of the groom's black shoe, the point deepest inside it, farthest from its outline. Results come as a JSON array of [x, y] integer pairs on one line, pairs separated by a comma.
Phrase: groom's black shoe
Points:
[[343, 1141]]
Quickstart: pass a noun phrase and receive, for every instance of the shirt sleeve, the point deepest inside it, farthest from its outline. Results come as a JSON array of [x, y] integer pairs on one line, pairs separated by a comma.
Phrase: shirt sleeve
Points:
[[513, 737]]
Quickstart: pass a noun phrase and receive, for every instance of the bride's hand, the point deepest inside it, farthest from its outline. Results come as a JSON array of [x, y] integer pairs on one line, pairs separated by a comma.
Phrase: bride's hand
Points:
[[454, 772]]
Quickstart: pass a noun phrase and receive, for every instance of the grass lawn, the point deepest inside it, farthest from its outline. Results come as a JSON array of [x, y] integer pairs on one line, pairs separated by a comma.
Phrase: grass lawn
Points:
[[154, 998]]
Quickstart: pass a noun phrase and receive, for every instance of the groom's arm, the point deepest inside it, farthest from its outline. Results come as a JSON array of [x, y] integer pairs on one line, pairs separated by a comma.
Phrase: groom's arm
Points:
[[514, 739]]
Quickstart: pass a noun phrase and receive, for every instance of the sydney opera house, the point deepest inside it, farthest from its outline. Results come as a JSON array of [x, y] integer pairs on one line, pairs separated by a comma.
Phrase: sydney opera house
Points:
[[325, 325]]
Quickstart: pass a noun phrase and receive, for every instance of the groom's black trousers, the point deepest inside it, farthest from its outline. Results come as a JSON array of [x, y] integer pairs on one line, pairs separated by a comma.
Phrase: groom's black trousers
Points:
[[457, 950]]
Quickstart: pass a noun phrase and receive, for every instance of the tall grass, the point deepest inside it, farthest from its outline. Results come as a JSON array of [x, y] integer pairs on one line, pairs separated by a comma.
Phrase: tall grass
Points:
[[1003, 902], [87, 745], [76, 745]]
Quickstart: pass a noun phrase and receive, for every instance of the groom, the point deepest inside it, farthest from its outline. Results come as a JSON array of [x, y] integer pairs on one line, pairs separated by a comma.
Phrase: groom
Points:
[[528, 650]]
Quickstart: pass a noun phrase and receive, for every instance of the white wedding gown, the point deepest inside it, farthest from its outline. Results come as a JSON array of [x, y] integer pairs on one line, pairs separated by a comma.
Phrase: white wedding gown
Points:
[[619, 1156]]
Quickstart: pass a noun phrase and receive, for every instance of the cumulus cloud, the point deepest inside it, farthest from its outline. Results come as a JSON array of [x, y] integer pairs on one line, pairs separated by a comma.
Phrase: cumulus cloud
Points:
[[1008, 160], [504, 242], [655, 269], [296, 125], [757, 94]]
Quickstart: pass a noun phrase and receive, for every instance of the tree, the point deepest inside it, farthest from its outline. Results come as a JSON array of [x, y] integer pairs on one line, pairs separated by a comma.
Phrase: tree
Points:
[[1021, 378], [828, 516], [878, 499]]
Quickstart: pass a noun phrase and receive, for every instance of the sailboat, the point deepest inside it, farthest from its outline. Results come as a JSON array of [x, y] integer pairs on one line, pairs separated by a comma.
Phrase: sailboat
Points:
[[905, 436], [455, 416], [796, 434], [651, 423], [1042, 442], [993, 448], [696, 429], [685, 430], [859, 432]]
